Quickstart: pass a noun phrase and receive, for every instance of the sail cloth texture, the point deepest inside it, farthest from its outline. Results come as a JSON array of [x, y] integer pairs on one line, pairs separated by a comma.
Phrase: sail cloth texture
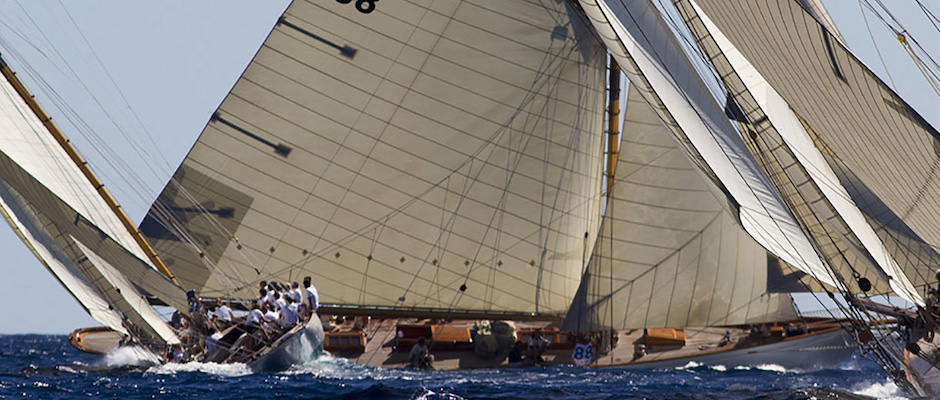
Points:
[[26, 223], [884, 142], [443, 155], [789, 127], [52, 206], [787, 153], [669, 254], [652, 58], [63, 240]]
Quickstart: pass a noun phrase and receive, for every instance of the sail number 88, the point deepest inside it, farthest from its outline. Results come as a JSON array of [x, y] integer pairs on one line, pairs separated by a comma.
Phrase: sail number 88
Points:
[[364, 6]]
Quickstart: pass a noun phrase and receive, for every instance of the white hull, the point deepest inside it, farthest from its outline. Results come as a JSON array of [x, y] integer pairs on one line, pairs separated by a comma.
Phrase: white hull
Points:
[[817, 351], [303, 345]]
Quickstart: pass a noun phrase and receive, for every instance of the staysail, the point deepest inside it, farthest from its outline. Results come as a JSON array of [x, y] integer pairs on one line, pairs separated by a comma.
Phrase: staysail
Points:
[[859, 120], [669, 254], [410, 155]]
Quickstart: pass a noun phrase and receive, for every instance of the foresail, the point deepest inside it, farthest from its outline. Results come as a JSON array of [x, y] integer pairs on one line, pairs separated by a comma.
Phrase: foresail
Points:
[[787, 152], [859, 120], [421, 155], [652, 58], [669, 254]]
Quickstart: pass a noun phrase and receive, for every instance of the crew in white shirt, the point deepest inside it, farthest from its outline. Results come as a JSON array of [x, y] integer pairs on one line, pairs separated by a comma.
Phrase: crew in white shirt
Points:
[[289, 316], [311, 297], [270, 320], [296, 293]]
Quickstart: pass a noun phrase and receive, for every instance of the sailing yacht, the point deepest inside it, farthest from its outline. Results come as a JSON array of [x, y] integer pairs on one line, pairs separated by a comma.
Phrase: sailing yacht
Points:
[[445, 160]]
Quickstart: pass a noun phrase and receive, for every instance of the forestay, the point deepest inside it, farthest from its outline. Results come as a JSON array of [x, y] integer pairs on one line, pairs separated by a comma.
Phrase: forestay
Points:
[[654, 61], [669, 254], [423, 155], [886, 145]]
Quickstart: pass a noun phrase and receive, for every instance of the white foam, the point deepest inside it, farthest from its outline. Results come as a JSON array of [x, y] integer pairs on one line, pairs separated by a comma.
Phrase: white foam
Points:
[[763, 367], [329, 367], [429, 394], [129, 356], [719, 368], [886, 390], [690, 365], [234, 369]]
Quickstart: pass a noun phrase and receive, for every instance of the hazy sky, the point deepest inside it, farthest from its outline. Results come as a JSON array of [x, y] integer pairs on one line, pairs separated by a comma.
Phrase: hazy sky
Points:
[[156, 71]]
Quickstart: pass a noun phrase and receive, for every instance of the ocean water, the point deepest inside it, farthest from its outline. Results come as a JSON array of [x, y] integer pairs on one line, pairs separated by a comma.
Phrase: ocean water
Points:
[[47, 367]]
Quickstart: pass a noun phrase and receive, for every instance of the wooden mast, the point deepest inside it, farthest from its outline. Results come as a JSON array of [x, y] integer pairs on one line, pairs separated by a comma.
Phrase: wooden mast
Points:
[[83, 166], [613, 122]]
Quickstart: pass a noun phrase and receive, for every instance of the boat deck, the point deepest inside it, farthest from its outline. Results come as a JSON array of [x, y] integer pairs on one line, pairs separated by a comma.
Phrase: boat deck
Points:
[[381, 349]]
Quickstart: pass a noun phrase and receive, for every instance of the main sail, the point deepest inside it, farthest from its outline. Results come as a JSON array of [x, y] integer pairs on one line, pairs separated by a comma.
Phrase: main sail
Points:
[[407, 155], [669, 254]]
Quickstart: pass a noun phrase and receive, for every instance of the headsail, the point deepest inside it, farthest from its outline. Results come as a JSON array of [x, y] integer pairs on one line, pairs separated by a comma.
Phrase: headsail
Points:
[[654, 61], [787, 151], [441, 155], [861, 122], [669, 254]]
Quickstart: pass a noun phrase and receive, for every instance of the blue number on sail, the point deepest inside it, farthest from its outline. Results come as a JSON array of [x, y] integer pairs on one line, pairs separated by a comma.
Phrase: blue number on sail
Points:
[[364, 6], [583, 353]]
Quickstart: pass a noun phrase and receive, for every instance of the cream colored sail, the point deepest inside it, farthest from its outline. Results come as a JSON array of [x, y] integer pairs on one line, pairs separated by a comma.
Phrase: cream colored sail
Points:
[[859, 120], [423, 155], [652, 58], [786, 150], [669, 254]]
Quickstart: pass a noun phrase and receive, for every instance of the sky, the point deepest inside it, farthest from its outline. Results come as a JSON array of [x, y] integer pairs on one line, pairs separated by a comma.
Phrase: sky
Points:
[[153, 72]]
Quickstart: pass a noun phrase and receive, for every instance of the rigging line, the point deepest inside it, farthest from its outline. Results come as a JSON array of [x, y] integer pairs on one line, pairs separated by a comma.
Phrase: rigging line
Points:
[[875, 44], [668, 72], [376, 140], [74, 75], [930, 15], [535, 88], [153, 144]]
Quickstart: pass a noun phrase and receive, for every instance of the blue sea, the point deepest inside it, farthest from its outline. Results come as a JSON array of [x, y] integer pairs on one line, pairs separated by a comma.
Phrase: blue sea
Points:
[[47, 367]]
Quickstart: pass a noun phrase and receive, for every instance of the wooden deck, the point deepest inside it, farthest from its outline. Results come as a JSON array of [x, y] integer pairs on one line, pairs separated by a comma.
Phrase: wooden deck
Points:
[[381, 348]]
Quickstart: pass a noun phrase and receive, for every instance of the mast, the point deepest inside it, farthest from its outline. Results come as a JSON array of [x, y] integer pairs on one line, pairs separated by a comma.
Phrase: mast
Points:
[[83, 166], [613, 122]]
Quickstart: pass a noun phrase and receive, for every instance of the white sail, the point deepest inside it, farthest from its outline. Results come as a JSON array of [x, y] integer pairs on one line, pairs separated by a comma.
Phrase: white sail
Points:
[[27, 226], [791, 130], [63, 241], [25, 140], [429, 155], [42, 172], [653, 60], [120, 292], [886, 145], [669, 254]]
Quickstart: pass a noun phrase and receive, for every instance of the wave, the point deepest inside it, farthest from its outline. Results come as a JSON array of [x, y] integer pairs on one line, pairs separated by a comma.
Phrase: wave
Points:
[[228, 370], [885, 390], [129, 356]]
